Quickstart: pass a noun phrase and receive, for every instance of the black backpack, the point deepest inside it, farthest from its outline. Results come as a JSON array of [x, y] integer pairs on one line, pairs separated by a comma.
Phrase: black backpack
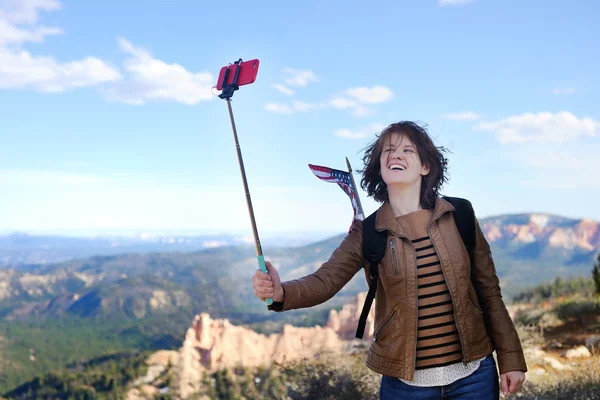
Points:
[[375, 244]]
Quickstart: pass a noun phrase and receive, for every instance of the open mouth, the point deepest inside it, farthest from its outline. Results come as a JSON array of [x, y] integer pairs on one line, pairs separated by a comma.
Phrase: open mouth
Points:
[[397, 167]]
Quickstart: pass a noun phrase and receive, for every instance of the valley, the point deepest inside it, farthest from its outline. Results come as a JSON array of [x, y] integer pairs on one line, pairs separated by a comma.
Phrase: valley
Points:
[[55, 315]]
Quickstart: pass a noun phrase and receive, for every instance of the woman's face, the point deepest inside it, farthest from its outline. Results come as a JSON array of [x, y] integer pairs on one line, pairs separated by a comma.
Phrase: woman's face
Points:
[[400, 163]]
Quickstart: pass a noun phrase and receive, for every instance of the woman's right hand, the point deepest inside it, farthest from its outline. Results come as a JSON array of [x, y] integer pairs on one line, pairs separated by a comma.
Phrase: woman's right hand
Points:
[[267, 285]]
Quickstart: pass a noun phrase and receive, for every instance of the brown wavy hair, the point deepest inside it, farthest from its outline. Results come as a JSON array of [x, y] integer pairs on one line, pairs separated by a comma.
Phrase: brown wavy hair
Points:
[[429, 154]]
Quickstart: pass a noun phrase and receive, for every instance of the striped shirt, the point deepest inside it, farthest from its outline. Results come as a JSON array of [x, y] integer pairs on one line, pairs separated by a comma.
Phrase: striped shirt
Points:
[[439, 351]]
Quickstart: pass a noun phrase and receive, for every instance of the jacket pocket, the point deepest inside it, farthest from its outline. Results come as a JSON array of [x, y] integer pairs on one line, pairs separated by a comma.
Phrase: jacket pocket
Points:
[[384, 325], [395, 261], [475, 306]]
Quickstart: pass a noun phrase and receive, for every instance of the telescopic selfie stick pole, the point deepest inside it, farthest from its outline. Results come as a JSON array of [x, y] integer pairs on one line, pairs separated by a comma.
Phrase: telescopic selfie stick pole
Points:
[[226, 94]]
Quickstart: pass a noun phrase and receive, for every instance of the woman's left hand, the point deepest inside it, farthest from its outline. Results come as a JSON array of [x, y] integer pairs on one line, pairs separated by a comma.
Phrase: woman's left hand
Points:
[[511, 381]]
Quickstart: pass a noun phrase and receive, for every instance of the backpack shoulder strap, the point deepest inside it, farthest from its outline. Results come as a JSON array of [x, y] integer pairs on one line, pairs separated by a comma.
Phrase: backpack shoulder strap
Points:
[[373, 247], [464, 216]]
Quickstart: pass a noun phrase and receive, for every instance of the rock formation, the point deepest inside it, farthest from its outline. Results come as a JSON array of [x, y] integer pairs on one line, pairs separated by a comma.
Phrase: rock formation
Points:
[[214, 344], [345, 321], [211, 345], [546, 229]]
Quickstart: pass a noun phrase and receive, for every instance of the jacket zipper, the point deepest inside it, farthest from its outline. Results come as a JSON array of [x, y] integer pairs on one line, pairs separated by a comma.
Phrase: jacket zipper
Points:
[[464, 360], [394, 258], [417, 306], [383, 325]]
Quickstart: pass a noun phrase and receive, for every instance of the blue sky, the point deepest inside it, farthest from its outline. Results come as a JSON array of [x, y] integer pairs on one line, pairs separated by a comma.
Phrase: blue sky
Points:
[[108, 120]]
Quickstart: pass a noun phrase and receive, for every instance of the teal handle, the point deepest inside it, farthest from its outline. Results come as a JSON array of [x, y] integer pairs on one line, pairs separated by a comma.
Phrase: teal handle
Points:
[[263, 268]]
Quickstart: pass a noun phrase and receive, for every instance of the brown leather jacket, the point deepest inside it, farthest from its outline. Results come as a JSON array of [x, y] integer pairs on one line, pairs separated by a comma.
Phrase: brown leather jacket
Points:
[[393, 350]]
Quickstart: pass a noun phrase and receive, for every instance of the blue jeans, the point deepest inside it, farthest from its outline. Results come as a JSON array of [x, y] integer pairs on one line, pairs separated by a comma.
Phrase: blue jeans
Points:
[[482, 384]]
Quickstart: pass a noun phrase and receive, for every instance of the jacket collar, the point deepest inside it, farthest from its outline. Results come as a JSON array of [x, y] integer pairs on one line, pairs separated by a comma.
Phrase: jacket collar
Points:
[[386, 220]]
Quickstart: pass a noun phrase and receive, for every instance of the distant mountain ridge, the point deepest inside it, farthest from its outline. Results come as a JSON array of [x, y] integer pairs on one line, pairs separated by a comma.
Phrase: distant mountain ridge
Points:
[[527, 249], [580, 236], [19, 248], [552, 230], [544, 237]]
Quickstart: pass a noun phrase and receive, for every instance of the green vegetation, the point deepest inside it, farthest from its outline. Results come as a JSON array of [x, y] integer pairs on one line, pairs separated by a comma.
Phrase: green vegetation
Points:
[[596, 276], [111, 377], [560, 287], [571, 301], [576, 310], [105, 378], [60, 319], [56, 343], [47, 333], [329, 377], [581, 384], [582, 310], [346, 377], [59, 343], [232, 384]]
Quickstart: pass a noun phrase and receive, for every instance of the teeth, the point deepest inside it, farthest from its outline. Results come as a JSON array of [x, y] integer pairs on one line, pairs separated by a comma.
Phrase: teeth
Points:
[[397, 166]]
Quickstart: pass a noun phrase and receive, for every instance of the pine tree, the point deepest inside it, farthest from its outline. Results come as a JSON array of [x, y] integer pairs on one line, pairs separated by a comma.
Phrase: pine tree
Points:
[[596, 276]]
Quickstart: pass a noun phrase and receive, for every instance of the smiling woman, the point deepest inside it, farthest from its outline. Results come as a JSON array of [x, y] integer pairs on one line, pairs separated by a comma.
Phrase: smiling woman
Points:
[[415, 144], [439, 313]]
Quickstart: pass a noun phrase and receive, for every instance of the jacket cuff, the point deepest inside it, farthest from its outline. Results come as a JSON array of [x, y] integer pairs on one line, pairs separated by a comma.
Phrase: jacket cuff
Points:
[[278, 306], [513, 361]]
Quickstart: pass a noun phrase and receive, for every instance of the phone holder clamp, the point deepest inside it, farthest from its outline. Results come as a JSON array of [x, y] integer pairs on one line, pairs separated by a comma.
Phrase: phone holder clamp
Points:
[[228, 89]]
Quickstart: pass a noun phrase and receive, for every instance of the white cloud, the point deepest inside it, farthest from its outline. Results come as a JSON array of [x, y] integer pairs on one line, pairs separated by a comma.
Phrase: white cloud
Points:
[[358, 110], [353, 99], [10, 33], [461, 116], [349, 134], [283, 89], [25, 11], [296, 106], [152, 79], [450, 3], [297, 77], [147, 78], [20, 69], [543, 127], [371, 95], [342, 103], [278, 108], [362, 111], [551, 168], [356, 98], [302, 106], [565, 90], [368, 131]]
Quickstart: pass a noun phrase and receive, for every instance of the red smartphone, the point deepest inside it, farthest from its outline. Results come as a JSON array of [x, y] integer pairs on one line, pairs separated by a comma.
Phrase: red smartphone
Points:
[[247, 74]]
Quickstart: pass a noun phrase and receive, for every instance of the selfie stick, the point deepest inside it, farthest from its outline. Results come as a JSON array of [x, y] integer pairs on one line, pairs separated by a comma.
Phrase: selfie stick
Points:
[[226, 94]]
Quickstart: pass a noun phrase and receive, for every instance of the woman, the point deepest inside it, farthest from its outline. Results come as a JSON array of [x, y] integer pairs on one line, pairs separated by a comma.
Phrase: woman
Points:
[[431, 337]]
